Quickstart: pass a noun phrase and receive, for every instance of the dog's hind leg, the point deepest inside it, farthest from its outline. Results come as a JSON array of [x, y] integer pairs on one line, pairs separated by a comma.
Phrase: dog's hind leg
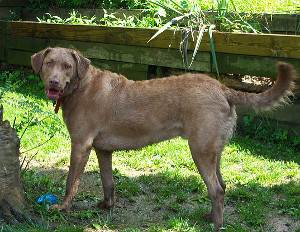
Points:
[[105, 164], [219, 175], [205, 156]]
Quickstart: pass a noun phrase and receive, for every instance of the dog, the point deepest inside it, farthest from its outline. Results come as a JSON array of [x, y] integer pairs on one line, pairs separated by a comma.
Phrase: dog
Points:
[[106, 111]]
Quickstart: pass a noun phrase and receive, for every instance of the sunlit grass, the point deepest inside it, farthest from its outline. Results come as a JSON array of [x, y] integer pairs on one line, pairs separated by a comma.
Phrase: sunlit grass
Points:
[[256, 6]]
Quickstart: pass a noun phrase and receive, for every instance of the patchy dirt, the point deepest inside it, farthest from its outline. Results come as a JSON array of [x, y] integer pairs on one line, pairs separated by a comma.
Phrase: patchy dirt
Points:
[[283, 223]]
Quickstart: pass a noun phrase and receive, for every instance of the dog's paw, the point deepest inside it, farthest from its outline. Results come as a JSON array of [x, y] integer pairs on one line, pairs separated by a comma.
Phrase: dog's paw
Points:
[[104, 205], [62, 207]]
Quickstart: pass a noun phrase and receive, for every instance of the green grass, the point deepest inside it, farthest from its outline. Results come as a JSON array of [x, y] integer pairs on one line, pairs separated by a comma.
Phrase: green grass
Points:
[[158, 187], [260, 6], [270, 6]]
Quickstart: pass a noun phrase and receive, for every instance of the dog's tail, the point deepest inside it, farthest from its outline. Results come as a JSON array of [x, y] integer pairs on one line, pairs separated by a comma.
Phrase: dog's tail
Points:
[[270, 98]]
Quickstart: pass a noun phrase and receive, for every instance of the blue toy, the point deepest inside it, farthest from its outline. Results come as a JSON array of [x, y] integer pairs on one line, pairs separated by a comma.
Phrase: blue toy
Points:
[[47, 198]]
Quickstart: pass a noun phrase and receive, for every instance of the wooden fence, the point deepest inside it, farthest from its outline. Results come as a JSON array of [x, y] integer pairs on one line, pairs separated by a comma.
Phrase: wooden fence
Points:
[[126, 50]]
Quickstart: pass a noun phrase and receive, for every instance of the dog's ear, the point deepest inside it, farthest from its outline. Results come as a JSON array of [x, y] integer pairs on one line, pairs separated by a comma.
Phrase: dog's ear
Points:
[[82, 63], [38, 58]]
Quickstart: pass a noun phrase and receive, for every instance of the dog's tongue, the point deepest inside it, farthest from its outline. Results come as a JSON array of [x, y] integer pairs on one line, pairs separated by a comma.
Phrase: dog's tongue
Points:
[[53, 94]]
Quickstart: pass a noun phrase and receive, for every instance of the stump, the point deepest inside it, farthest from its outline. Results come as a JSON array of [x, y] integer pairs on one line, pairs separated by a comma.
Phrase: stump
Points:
[[12, 203]]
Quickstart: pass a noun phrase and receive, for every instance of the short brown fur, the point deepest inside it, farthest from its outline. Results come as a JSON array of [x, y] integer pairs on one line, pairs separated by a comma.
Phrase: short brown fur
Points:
[[107, 112]]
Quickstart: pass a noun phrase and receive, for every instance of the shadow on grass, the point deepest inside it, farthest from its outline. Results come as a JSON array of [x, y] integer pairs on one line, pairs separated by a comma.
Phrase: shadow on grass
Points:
[[280, 151], [160, 202]]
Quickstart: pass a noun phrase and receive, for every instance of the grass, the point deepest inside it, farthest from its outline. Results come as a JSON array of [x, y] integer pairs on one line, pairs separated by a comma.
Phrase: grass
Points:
[[260, 6], [269, 6], [157, 188]]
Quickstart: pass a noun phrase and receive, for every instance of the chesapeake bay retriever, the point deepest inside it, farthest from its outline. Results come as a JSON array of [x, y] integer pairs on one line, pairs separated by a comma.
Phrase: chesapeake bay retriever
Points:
[[107, 112]]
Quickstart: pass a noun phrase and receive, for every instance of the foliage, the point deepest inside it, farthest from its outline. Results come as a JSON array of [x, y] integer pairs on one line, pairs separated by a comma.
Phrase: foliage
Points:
[[75, 18], [73, 4], [266, 130], [151, 19], [250, 6]]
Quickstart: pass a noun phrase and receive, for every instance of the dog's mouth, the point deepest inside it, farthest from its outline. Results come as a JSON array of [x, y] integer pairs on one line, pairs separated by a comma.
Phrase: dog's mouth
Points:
[[53, 93]]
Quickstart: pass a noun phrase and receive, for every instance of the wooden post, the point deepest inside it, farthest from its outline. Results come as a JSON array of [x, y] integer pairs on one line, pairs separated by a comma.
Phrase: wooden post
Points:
[[12, 203]]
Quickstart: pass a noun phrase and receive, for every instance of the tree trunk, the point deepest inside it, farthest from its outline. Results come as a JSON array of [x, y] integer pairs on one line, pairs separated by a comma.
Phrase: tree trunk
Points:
[[12, 203]]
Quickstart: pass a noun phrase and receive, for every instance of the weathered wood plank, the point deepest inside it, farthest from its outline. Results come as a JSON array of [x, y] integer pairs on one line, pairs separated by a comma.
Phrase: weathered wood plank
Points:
[[129, 70], [251, 65], [27, 43], [283, 23], [2, 47], [287, 114], [254, 66], [228, 63], [235, 43], [137, 54], [128, 54], [18, 57], [2, 41]]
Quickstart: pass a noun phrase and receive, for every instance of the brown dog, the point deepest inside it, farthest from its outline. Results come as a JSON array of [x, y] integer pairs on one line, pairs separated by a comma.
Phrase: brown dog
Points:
[[107, 112]]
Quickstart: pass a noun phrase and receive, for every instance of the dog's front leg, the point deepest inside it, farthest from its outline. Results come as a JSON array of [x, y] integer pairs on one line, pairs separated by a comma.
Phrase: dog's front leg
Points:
[[79, 157], [105, 164]]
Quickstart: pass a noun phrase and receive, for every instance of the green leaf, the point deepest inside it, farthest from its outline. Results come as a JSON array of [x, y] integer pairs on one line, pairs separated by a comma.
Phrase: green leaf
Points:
[[241, 18], [167, 25], [213, 49], [199, 39], [96, 226], [184, 46], [162, 12]]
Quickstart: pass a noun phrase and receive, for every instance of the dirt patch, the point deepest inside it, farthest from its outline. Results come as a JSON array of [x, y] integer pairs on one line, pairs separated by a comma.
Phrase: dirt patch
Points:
[[283, 223]]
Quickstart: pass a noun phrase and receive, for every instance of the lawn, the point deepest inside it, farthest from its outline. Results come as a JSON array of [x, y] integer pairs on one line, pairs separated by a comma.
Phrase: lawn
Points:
[[158, 187], [258, 6]]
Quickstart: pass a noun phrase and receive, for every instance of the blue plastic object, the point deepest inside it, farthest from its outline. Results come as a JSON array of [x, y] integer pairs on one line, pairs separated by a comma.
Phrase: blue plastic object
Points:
[[47, 198]]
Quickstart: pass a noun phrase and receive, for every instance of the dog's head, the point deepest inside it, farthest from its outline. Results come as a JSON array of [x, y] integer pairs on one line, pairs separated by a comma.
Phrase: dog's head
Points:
[[59, 68]]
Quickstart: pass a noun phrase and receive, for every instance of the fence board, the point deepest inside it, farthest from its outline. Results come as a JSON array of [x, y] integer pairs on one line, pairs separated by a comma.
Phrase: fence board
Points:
[[236, 43], [130, 70], [251, 65], [228, 63], [18, 57], [255, 66], [129, 54], [2, 41], [286, 114], [283, 23], [137, 54], [27, 43]]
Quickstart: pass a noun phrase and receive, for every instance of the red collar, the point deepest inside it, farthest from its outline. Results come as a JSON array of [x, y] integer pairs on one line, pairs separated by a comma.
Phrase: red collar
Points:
[[57, 105]]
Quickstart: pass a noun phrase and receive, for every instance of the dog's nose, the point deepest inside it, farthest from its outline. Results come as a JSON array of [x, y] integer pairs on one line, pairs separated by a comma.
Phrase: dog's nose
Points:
[[54, 82]]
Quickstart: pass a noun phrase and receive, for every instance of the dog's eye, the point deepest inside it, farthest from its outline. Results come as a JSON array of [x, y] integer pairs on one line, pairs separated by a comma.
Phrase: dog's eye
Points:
[[50, 62], [67, 66]]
